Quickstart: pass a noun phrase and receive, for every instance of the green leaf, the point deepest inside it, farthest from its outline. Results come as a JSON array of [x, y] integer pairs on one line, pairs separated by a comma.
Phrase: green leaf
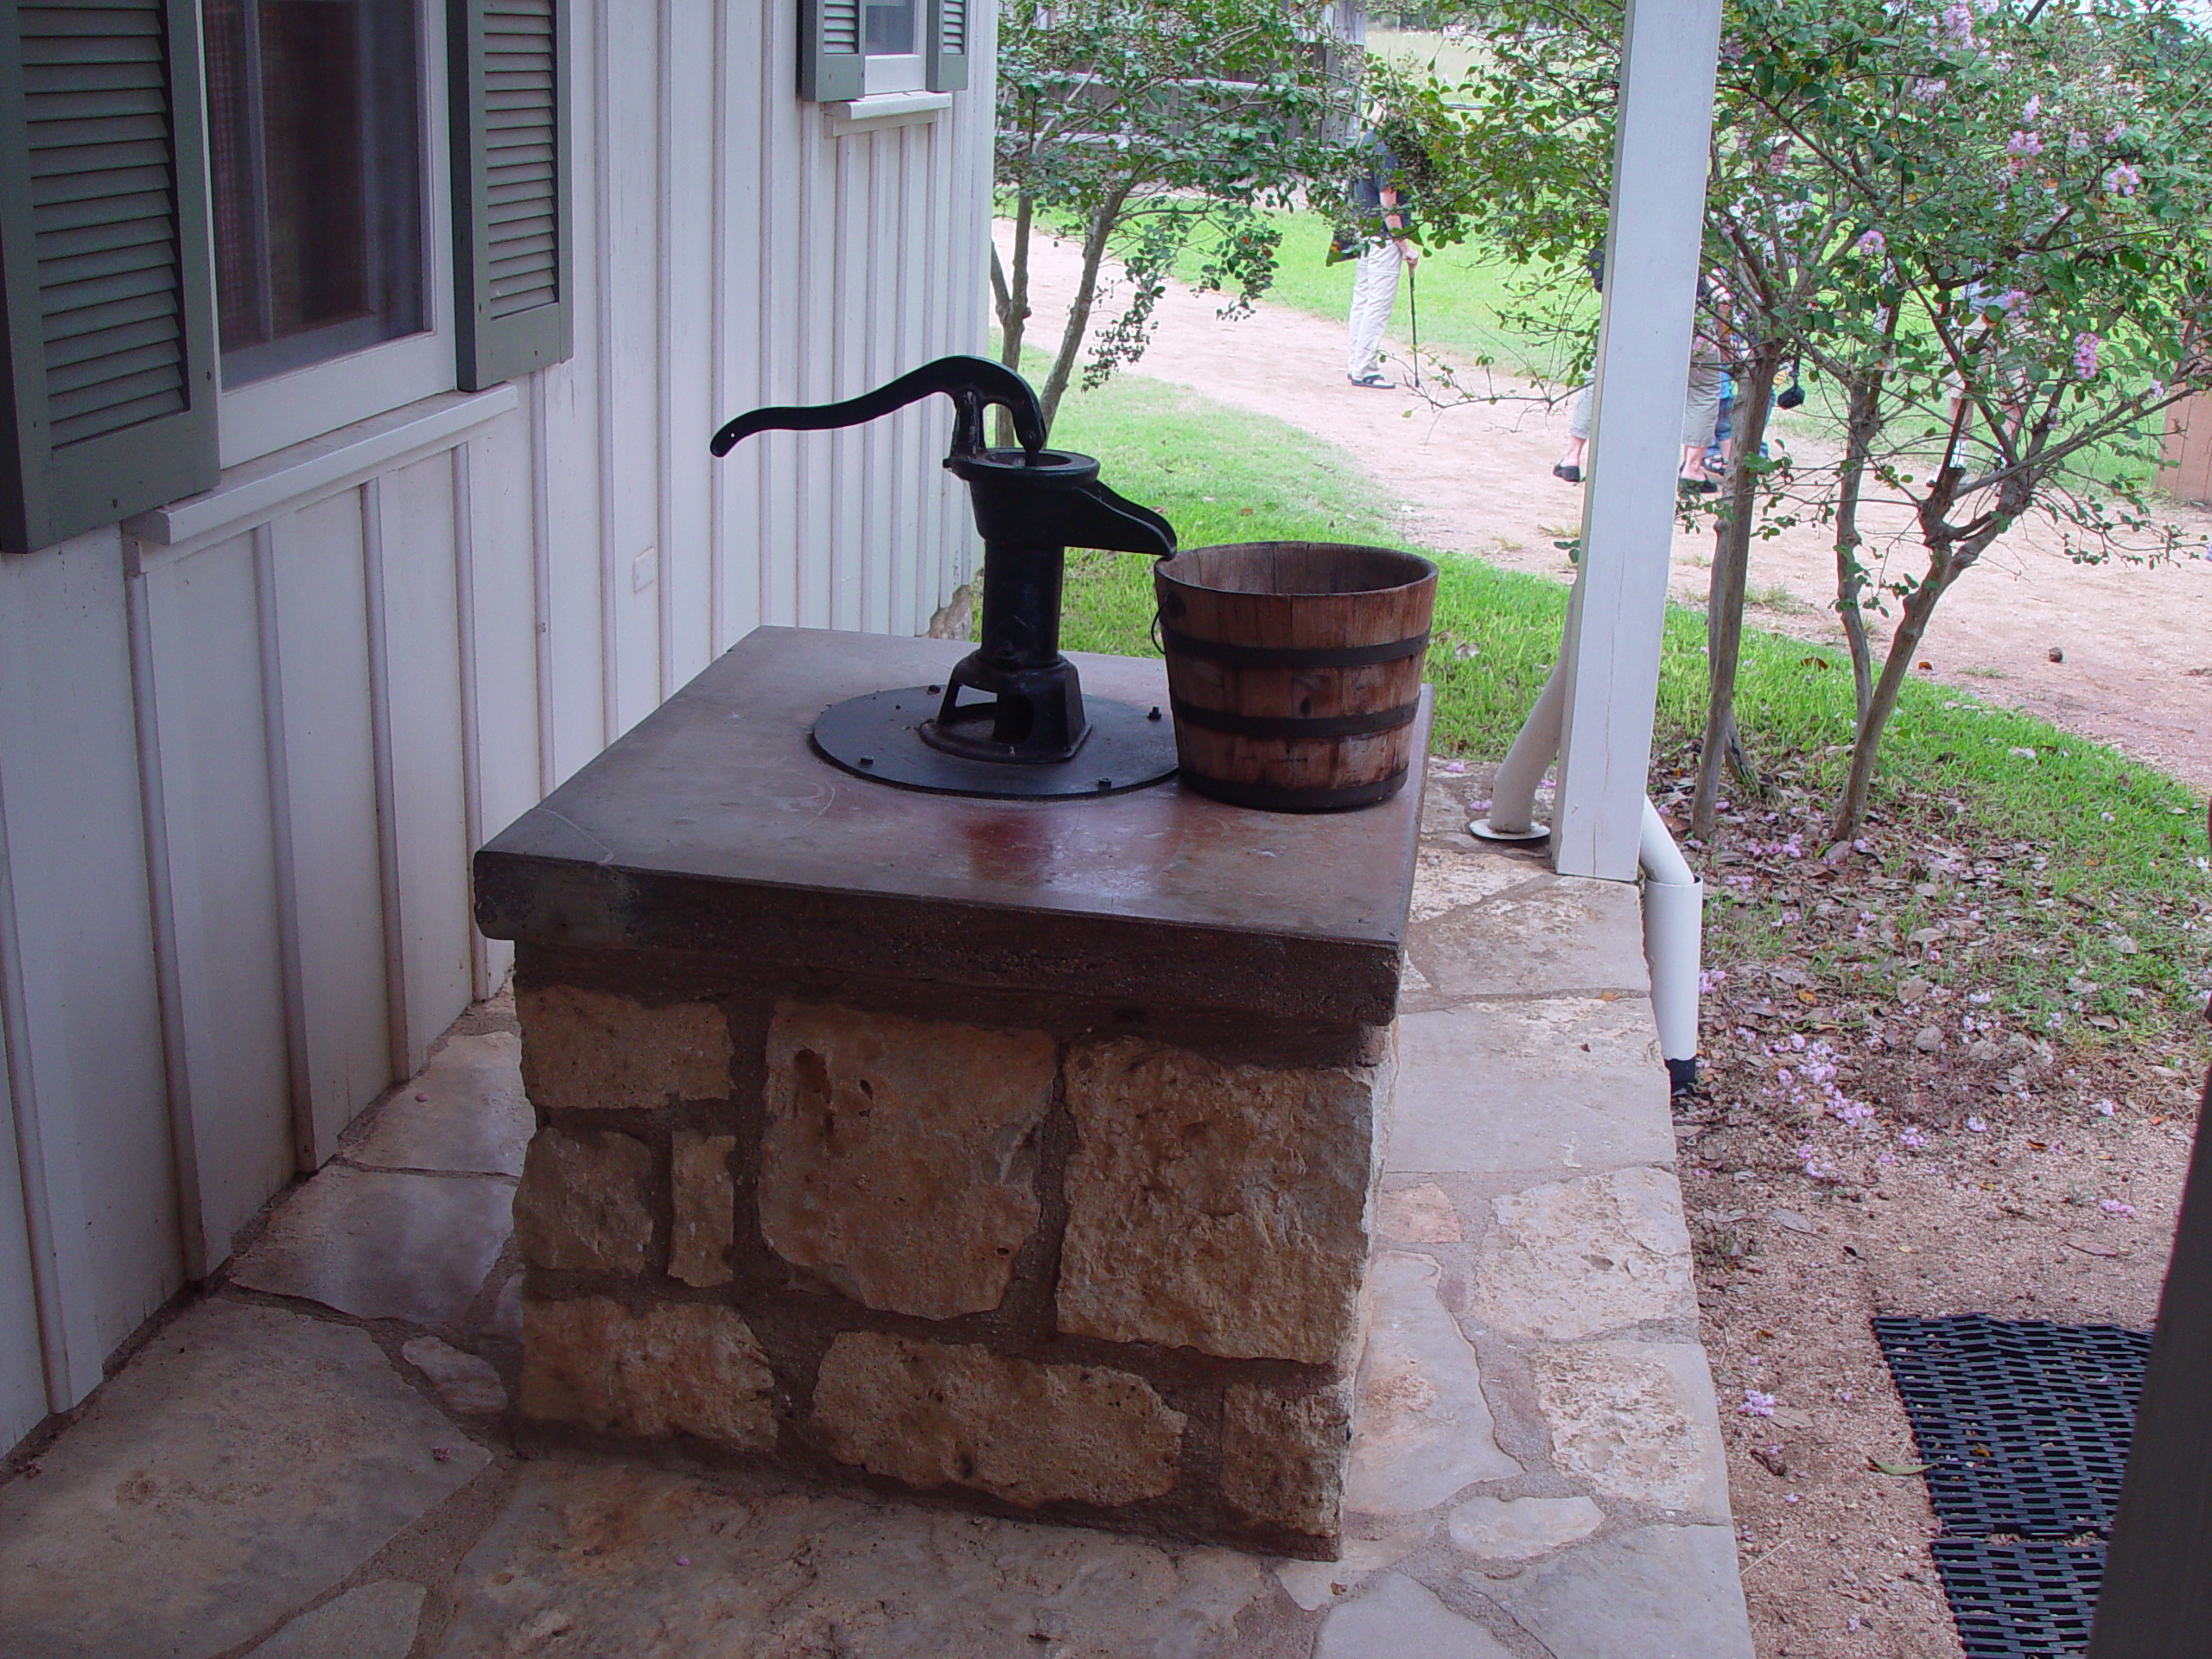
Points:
[[1883, 1467]]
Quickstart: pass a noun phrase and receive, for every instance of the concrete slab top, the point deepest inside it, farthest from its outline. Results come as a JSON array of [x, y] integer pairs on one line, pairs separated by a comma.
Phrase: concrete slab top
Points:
[[713, 825]]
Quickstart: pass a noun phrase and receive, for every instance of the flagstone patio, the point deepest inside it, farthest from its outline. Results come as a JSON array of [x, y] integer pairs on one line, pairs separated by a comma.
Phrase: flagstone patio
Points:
[[317, 1459]]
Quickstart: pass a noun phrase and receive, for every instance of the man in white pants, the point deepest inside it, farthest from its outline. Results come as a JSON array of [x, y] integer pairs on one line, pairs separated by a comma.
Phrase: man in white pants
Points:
[[1385, 251]]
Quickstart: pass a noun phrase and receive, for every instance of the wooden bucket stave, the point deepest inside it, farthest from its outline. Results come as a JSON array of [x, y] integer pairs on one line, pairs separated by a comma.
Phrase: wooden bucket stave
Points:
[[1294, 669]]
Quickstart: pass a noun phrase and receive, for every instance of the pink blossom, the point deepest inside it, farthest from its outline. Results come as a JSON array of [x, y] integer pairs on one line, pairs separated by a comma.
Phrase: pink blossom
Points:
[[1977, 1126], [2077, 141], [2102, 1108], [2024, 144], [2034, 109], [1872, 242], [2085, 355], [1957, 22], [2123, 181], [2014, 301], [2114, 1207], [1911, 1139], [1756, 1404]]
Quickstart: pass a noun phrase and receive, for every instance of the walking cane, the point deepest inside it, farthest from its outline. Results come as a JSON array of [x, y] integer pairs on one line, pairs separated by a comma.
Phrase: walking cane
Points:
[[1413, 304]]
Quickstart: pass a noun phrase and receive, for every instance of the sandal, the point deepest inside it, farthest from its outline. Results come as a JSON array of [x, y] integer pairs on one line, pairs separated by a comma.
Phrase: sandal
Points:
[[1696, 486], [1566, 470], [1371, 378]]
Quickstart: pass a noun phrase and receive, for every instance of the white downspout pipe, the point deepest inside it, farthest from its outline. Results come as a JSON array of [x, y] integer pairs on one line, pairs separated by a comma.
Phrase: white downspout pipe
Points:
[[1674, 896], [1673, 945]]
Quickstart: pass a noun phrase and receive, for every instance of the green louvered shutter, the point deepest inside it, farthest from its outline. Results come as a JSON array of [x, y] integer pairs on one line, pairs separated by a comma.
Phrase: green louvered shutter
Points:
[[511, 157], [947, 65], [831, 69], [110, 319]]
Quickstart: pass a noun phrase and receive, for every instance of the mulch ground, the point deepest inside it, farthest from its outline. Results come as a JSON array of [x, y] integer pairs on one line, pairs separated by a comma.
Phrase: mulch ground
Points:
[[1867, 1146]]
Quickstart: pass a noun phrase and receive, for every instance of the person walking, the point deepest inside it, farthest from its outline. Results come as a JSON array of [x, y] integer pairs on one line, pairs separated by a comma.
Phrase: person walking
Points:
[[1384, 248]]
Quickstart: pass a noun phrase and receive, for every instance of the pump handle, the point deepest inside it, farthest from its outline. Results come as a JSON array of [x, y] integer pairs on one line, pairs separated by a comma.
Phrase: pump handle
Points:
[[974, 384]]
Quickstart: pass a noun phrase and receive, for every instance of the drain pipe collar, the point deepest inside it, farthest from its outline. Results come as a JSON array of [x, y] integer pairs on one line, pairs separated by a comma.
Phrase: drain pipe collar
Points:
[[1673, 939]]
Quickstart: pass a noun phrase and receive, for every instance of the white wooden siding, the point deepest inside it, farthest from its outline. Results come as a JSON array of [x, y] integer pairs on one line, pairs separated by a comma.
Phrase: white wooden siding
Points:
[[242, 768]]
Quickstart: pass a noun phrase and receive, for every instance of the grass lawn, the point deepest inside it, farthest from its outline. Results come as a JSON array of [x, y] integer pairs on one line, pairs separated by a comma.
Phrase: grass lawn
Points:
[[2068, 881], [1461, 295]]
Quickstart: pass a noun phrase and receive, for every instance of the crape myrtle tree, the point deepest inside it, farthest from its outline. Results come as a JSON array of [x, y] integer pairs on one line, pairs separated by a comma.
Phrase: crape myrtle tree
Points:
[[1143, 129], [2035, 274], [1986, 225]]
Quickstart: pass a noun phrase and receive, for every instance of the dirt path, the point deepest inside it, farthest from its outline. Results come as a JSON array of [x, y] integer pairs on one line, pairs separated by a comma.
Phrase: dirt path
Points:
[[2136, 643]]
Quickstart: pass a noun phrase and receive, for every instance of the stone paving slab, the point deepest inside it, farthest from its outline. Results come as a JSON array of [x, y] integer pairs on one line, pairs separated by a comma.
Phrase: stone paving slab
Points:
[[589, 1559], [1571, 1082], [382, 1245], [246, 1460], [1537, 1472], [464, 1113]]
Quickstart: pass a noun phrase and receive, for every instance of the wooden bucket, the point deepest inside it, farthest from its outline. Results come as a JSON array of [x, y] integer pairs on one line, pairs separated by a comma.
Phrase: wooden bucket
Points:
[[1294, 669]]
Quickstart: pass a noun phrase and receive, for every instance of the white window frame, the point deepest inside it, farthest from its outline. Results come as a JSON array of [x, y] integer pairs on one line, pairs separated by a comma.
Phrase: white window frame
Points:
[[265, 416], [900, 72]]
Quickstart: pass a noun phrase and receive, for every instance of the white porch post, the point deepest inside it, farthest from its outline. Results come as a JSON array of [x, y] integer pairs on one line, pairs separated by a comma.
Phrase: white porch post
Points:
[[1611, 655]]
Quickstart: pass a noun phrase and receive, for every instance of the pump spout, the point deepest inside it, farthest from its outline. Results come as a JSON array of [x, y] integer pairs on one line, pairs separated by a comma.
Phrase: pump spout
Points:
[[974, 384], [1015, 699]]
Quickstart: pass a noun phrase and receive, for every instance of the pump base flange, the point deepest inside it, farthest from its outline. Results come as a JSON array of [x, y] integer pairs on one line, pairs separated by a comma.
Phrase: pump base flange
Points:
[[879, 737]]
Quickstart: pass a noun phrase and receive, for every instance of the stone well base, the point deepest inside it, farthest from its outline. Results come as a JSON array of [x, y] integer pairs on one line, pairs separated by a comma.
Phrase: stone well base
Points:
[[1046, 1258]]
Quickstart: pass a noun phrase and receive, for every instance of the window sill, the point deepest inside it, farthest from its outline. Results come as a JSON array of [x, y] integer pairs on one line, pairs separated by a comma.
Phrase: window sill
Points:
[[884, 110], [251, 493]]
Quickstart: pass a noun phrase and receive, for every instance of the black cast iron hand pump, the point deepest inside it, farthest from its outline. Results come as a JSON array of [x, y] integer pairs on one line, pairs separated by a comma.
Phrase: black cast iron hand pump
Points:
[[1030, 504]]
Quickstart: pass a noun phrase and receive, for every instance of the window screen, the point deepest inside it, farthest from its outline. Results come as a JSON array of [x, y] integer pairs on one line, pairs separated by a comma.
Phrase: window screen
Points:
[[315, 141], [888, 29]]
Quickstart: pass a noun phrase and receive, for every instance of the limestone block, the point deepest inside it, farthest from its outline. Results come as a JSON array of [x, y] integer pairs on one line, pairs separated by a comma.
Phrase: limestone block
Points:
[[1215, 1207], [1635, 1419], [934, 1414], [582, 1204], [1573, 1258], [704, 1220], [680, 1367], [1282, 1456], [1521, 1528], [590, 1051], [900, 1155], [1425, 1428]]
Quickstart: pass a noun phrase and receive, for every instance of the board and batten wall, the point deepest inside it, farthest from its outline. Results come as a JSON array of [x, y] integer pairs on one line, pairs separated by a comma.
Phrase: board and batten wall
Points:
[[248, 742]]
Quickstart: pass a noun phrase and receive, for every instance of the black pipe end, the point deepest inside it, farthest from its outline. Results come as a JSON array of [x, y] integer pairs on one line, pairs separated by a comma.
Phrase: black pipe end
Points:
[[1681, 1077]]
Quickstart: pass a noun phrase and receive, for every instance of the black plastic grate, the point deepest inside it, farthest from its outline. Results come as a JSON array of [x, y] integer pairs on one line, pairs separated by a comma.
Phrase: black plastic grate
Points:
[[2029, 1598], [2025, 1424]]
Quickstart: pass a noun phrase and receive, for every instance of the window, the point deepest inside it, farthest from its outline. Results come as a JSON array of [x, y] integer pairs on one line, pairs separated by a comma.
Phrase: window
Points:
[[890, 39], [851, 49], [389, 219], [316, 162]]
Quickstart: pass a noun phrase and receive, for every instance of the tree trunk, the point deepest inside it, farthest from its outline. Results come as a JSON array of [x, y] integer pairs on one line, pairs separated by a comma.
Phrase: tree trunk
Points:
[[1011, 299], [1896, 668], [1861, 425], [1096, 233], [1732, 558]]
